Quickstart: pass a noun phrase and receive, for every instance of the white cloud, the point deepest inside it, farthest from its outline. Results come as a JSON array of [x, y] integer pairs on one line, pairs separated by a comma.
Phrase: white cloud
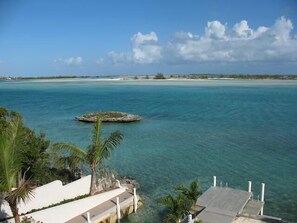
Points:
[[218, 43], [69, 61], [260, 30], [145, 50], [215, 29], [281, 30], [146, 54], [139, 38], [242, 29]]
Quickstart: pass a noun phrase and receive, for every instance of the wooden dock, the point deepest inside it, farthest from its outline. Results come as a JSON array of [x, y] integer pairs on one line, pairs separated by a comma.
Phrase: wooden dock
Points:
[[222, 205]]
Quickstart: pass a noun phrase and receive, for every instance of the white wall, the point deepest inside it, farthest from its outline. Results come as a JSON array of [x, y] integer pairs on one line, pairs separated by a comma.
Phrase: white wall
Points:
[[51, 193], [63, 213]]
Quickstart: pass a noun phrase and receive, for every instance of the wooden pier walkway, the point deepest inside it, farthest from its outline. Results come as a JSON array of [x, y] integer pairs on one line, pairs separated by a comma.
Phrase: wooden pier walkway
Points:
[[105, 209], [224, 204]]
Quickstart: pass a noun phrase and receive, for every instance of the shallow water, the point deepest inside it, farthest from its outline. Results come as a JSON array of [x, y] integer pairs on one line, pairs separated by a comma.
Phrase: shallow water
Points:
[[234, 129]]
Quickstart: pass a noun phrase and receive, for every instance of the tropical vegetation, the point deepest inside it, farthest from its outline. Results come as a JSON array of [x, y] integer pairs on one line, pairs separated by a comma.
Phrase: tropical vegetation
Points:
[[160, 76], [191, 193], [27, 160], [99, 149], [14, 185], [236, 76], [32, 151], [182, 203]]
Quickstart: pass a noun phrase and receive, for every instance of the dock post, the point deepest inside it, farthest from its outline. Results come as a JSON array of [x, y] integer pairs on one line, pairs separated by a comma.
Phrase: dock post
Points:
[[214, 181], [135, 199], [118, 209], [119, 184], [262, 197], [88, 217], [250, 186], [190, 218]]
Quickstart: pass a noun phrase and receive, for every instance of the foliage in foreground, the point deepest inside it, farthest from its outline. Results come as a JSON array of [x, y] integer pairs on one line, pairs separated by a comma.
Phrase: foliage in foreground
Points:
[[177, 206], [26, 219], [99, 149], [13, 184], [31, 150], [23, 156]]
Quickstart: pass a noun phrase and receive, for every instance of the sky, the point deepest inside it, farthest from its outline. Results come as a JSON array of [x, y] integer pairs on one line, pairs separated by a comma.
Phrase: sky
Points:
[[140, 37]]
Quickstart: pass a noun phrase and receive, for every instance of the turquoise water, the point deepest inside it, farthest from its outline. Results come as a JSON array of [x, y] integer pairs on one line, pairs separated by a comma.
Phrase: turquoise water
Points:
[[236, 130]]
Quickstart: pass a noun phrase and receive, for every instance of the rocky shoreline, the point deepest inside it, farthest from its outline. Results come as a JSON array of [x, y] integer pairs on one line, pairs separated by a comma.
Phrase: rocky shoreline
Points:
[[111, 116], [129, 183]]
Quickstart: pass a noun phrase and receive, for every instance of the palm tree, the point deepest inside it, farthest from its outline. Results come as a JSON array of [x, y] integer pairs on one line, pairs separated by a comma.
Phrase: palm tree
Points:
[[13, 186], [176, 207], [192, 193], [182, 204], [98, 150]]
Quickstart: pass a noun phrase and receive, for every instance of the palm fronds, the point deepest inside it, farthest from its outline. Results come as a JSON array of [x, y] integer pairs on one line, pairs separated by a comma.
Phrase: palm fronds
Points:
[[67, 155], [192, 193], [71, 155], [13, 189], [111, 143], [176, 207], [182, 203]]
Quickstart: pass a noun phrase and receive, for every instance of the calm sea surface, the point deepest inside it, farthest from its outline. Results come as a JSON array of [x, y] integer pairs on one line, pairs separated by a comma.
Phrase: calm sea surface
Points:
[[237, 130]]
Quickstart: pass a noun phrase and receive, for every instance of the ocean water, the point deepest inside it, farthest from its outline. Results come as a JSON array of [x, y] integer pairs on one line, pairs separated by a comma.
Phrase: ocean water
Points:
[[237, 130]]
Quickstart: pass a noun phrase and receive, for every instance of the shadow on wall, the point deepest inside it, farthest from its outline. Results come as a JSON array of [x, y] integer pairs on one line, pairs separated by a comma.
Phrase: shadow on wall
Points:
[[3, 213]]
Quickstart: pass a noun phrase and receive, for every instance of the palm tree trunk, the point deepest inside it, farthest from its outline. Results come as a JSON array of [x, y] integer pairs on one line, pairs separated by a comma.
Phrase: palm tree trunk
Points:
[[15, 212], [93, 181]]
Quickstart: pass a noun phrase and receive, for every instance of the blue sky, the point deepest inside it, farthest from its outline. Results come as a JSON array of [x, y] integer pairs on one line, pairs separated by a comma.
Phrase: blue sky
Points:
[[108, 37]]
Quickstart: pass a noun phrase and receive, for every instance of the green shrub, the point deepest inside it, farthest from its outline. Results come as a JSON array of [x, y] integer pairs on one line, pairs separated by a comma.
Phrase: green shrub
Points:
[[159, 76]]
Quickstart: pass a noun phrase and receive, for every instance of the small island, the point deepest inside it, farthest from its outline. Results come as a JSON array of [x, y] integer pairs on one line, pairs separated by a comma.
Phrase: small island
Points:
[[110, 116]]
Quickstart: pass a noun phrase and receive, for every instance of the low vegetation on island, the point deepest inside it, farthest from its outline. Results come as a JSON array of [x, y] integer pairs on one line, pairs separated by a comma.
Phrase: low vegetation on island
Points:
[[161, 76], [236, 76], [110, 116]]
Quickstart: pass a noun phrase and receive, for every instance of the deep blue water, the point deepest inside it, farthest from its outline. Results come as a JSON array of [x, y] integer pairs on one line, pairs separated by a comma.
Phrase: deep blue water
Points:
[[236, 130]]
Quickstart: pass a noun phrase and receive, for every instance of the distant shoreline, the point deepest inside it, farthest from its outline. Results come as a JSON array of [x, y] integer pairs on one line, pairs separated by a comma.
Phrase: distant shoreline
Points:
[[158, 77]]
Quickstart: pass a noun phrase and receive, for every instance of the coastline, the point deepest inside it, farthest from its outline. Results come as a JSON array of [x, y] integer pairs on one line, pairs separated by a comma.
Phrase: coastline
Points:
[[130, 79], [211, 82], [157, 77]]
